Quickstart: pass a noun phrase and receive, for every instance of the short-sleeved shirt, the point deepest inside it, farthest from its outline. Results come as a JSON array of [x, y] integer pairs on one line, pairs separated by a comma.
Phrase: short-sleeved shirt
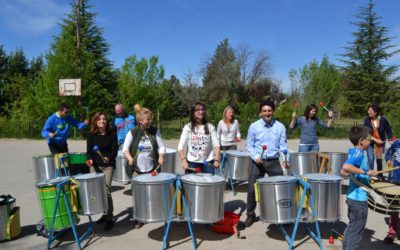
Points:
[[358, 159]]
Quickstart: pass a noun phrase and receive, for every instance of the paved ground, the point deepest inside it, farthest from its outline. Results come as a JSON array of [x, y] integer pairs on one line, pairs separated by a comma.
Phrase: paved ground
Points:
[[17, 179]]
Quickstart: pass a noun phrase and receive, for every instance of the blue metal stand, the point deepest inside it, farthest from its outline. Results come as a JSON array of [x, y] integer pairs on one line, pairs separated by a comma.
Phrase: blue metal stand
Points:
[[317, 238], [61, 164], [166, 231], [52, 236], [224, 158]]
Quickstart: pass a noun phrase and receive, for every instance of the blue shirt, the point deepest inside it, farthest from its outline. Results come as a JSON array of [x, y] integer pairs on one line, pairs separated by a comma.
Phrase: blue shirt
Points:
[[60, 126], [308, 132], [394, 151], [272, 134], [122, 125], [358, 159]]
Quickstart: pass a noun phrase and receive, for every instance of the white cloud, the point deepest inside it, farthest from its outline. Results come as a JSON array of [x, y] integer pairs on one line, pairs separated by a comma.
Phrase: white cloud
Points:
[[31, 16]]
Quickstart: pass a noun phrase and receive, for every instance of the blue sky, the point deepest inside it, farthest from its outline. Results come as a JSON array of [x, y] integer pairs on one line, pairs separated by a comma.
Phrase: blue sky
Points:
[[182, 33]]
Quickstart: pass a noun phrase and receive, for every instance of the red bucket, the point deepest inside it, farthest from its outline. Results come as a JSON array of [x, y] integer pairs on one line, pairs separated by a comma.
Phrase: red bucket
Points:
[[227, 225]]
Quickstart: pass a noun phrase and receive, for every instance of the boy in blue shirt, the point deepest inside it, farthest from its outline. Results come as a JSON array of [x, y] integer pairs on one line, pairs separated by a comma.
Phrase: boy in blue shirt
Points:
[[357, 164], [394, 151]]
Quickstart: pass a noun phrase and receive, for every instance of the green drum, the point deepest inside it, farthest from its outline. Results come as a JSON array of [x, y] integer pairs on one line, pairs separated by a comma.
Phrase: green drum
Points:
[[47, 192], [78, 163]]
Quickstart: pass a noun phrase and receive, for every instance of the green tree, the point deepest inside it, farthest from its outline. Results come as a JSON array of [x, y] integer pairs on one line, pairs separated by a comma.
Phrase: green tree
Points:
[[68, 60], [221, 77], [366, 77], [139, 82], [317, 82]]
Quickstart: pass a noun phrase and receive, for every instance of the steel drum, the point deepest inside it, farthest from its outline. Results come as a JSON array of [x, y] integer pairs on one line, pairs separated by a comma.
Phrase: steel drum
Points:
[[119, 172], [47, 194], [303, 163], [336, 160], [326, 190], [44, 167], [78, 163], [152, 196], [92, 193], [277, 199], [7, 204], [239, 163], [204, 196], [169, 165], [389, 191]]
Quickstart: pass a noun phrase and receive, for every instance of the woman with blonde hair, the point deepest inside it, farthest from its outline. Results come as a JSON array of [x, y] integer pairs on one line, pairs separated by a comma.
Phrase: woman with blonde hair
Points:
[[228, 131], [143, 147]]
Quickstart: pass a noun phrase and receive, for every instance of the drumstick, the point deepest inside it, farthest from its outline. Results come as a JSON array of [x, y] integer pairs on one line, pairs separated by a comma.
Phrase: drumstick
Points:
[[197, 170], [264, 147], [321, 103], [154, 172], [377, 198], [296, 105], [97, 150], [388, 170]]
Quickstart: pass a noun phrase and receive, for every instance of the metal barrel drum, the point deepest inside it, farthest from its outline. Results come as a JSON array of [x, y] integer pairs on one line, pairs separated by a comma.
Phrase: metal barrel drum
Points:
[[92, 193], [391, 193], [204, 196], [326, 191], [169, 165], [152, 196], [336, 160], [78, 163], [303, 163], [119, 172], [239, 163], [47, 193], [6, 206], [44, 167], [278, 204]]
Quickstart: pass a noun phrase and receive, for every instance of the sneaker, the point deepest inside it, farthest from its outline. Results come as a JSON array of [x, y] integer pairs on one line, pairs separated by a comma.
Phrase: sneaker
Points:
[[101, 220], [109, 224], [249, 220]]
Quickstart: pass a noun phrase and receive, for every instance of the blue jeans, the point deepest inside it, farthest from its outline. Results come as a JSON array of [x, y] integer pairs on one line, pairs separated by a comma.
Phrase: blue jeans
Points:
[[357, 212], [204, 169], [309, 148]]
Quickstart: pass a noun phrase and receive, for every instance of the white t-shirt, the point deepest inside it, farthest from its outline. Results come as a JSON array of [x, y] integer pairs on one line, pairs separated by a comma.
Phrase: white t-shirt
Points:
[[200, 146], [227, 134], [145, 158]]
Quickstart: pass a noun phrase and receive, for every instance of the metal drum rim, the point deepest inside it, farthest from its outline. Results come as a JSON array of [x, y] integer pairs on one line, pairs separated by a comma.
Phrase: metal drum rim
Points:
[[154, 182], [95, 176], [36, 157]]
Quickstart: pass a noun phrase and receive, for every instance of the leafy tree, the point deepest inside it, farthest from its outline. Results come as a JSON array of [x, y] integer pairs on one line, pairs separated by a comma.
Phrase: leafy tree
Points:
[[317, 82], [67, 60], [3, 72], [221, 77], [366, 77], [139, 82]]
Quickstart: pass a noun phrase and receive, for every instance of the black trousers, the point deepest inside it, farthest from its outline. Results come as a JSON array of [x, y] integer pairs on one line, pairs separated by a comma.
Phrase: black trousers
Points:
[[57, 148], [272, 168]]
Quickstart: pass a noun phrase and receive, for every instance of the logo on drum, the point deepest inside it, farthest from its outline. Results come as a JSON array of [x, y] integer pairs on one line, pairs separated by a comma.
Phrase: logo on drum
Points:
[[284, 203]]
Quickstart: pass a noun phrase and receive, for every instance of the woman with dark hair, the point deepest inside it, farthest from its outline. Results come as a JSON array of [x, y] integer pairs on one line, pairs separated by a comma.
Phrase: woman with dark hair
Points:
[[308, 124], [381, 130], [103, 160], [200, 138]]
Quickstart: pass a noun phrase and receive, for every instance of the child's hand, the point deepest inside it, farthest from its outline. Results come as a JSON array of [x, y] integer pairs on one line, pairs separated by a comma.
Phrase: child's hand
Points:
[[372, 172]]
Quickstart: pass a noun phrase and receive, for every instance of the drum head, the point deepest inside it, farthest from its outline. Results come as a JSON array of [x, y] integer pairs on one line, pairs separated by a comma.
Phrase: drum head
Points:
[[148, 178], [88, 176], [42, 156], [322, 177], [386, 188], [52, 182], [239, 153], [277, 179], [202, 178]]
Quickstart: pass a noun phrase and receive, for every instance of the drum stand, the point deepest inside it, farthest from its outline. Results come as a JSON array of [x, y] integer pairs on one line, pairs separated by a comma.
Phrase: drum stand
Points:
[[317, 238], [62, 164], [224, 158], [186, 210], [52, 236]]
